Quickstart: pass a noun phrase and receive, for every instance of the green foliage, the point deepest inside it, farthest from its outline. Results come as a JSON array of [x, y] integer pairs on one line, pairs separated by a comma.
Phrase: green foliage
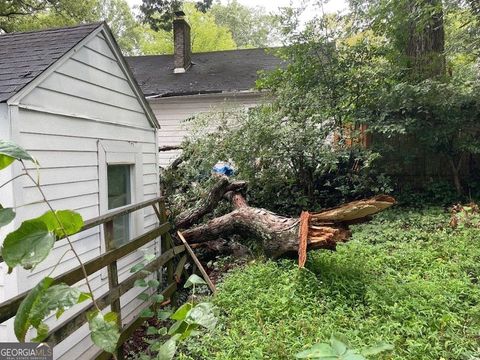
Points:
[[45, 14], [194, 280], [104, 330], [29, 245], [339, 349], [206, 35], [62, 222], [9, 152], [188, 320], [441, 114], [405, 278], [41, 14], [23, 320], [251, 27], [40, 302], [158, 14], [6, 216], [122, 22]]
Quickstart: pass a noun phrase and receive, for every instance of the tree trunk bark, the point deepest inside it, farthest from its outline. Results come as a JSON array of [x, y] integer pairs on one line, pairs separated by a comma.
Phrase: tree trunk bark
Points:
[[456, 175], [425, 47], [279, 234]]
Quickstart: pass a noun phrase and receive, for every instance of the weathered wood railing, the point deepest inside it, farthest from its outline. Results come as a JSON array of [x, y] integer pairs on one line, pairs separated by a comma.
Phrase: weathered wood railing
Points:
[[109, 259]]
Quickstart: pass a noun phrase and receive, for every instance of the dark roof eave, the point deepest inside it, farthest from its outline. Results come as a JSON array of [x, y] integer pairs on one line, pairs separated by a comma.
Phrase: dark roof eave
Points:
[[199, 92]]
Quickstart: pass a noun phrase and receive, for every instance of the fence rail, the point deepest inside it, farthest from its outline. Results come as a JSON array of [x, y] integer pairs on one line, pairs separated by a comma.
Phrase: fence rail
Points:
[[109, 260]]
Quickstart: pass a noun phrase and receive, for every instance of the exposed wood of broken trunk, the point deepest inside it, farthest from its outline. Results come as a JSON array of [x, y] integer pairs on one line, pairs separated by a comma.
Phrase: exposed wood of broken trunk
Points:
[[279, 234]]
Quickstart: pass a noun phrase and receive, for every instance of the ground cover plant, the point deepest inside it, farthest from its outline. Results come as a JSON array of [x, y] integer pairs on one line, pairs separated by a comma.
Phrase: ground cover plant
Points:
[[407, 278]]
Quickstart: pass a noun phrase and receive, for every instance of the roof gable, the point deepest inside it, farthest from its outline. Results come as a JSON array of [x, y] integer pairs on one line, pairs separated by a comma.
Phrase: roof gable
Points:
[[49, 49], [24, 56]]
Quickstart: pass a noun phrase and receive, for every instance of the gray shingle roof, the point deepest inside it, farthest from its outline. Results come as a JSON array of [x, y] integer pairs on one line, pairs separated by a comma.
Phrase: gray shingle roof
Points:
[[212, 72], [24, 56]]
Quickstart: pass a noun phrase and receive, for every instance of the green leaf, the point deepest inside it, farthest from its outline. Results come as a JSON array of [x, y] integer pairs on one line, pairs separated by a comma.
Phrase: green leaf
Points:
[[71, 221], [153, 283], [194, 280], [178, 328], [140, 283], [137, 267], [104, 330], [6, 216], [203, 315], [158, 298], [188, 331], [9, 152], [163, 314], [143, 296], [167, 350], [22, 320], [147, 313], [40, 302], [162, 331], [152, 330], [318, 351], [351, 355], [339, 347], [58, 297], [182, 312], [29, 245], [42, 332], [83, 297], [377, 349], [149, 257]]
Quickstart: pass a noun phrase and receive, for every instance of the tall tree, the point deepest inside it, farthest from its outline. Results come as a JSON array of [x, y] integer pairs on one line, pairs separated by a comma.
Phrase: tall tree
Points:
[[22, 15], [126, 29], [158, 14], [206, 35], [250, 26], [414, 27]]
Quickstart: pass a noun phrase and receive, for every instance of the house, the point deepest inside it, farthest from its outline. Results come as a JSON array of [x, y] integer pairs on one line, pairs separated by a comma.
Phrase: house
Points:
[[183, 85], [69, 98]]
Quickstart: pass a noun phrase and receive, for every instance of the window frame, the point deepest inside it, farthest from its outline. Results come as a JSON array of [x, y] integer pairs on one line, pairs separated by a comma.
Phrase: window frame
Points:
[[121, 153]]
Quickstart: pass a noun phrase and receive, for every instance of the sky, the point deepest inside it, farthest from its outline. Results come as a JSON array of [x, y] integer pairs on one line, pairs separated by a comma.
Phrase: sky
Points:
[[272, 5]]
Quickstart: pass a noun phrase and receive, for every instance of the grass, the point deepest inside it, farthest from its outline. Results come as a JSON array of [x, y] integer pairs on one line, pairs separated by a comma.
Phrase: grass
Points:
[[405, 278]]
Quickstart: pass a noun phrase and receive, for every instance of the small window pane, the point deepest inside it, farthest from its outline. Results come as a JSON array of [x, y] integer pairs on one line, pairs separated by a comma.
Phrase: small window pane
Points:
[[119, 194]]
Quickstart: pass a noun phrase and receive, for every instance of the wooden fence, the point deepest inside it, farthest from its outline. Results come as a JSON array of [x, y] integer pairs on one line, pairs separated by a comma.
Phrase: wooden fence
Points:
[[109, 259]]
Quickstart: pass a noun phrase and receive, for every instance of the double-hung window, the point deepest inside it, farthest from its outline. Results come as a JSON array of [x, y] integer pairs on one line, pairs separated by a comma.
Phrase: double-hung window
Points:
[[121, 184], [119, 188]]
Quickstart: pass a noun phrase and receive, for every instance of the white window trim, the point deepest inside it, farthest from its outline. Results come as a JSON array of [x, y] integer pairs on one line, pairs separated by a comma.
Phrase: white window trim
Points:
[[121, 153]]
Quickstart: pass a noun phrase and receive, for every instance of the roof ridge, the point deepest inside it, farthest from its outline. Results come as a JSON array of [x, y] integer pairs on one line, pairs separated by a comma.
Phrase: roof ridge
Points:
[[93, 25], [209, 52]]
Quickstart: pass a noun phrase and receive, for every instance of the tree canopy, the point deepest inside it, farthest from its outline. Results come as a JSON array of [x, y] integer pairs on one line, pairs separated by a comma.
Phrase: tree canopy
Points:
[[206, 35], [158, 14], [251, 27]]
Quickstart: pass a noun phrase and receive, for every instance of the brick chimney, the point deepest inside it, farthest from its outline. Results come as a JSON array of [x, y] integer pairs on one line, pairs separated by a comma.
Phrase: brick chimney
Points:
[[182, 53]]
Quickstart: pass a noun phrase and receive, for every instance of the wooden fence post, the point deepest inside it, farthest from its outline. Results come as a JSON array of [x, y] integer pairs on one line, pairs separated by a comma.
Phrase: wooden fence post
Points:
[[166, 240], [113, 279]]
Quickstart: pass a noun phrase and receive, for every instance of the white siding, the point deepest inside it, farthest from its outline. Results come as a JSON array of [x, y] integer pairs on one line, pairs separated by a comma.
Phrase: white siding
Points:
[[171, 113], [8, 283], [61, 122]]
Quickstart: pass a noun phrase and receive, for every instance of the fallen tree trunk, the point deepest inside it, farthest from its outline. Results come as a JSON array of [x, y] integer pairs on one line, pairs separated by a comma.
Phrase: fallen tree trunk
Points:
[[279, 235]]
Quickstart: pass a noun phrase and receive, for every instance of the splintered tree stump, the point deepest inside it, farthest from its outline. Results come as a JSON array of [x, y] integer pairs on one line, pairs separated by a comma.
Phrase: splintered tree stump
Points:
[[279, 235]]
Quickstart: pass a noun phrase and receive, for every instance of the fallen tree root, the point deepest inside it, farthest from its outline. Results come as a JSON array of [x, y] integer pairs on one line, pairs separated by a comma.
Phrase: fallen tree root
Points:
[[279, 235]]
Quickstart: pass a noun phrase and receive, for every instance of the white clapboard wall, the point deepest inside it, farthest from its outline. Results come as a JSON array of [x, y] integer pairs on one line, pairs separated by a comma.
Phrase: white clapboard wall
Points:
[[86, 105]]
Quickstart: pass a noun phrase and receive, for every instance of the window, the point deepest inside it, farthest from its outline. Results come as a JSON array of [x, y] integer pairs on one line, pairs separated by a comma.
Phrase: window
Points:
[[120, 181], [119, 194]]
